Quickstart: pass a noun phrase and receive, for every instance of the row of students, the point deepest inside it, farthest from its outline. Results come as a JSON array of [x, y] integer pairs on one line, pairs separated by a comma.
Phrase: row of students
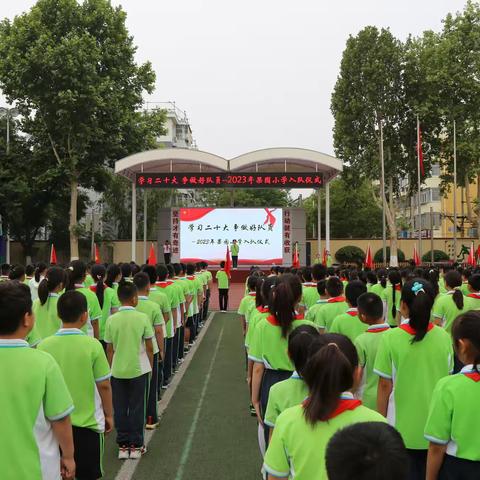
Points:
[[393, 361]]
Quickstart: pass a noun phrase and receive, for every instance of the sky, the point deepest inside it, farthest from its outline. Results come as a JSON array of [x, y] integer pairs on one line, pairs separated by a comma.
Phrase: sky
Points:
[[258, 73]]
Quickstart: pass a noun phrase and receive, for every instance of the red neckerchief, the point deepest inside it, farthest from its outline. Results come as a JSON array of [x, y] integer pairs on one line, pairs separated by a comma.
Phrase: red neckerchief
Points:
[[162, 284], [474, 295], [191, 277], [398, 288], [273, 321], [475, 376], [309, 284], [344, 404], [262, 309], [170, 282], [378, 330], [252, 294], [93, 288], [336, 300], [352, 313], [407, 328]]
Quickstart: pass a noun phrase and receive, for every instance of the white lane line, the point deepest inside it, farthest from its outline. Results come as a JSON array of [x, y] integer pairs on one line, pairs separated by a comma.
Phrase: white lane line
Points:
[[188, 444], [129, 466]]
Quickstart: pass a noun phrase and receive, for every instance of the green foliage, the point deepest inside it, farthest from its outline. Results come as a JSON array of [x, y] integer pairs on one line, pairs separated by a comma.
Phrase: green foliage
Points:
[[350, 254], [378, 257], [352, 215], [438, 256], [243, 197]]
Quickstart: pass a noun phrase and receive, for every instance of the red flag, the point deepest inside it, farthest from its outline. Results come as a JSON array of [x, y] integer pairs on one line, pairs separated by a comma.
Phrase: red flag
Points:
[[368, 258], [325, 257], [53, 255], [419, 149], [416, 258], [228, 262], [471, 256], [296, 260], [152, 257], [97, 254], [477, 253]]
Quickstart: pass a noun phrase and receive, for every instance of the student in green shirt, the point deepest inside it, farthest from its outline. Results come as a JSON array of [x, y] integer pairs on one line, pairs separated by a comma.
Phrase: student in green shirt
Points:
[[142, 281], [292, 391], [450, 305], [453, 424], [75, 281], [348, 323], [235, 248], [86, 371], [36, 441], [301, 435], [247, 304], [411, 359], [129, 334], [223, 279], [323, 299], [473, 297], [370, 312], [269, 347], [114, 275], [47, 320], [380, 284], [196, 290], [391, 298], [309, 287], [336, 305], [209, 277]]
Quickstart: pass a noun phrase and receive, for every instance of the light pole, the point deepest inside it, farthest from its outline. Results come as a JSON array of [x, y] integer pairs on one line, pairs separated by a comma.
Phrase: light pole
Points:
[[8, 113]]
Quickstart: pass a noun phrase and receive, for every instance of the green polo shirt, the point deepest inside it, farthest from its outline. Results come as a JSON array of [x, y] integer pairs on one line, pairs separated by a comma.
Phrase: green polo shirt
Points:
[[152, 311], [159, 297], [32, 397], [269, 347], [94, 310], [283, 395], [47, 320], [452, 420], [222, 279], [445, 310], [473, 301], [310, 294], [196, 289], [297, 449], [127, 331], [367, 347], [325, 316], [377, 289], [348, 324], [441, 285], [413, 367], [247, 305], [312, 311], [33, 338], [83, 364], [256, 316], [110, 302], [172, 296], [235, 249], [387, 297]]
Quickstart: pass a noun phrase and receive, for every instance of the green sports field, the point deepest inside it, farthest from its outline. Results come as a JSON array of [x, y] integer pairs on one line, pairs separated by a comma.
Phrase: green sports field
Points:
[[206, 432]]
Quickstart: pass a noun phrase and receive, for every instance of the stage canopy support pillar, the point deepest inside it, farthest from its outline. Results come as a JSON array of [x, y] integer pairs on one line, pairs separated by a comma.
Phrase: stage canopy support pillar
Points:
[[327, 217], [134, 222], [319, 221]]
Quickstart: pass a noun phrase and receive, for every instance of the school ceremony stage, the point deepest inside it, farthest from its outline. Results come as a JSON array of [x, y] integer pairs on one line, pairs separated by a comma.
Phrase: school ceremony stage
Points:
[[265, 236]]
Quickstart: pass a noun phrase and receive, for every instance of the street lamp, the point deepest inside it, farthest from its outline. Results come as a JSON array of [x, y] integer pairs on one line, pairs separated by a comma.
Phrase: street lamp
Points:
[[8, 113]]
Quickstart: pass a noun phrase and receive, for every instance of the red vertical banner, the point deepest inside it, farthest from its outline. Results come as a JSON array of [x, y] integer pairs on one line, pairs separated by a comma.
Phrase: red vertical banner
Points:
[[175, 234], [97, 255], [296, 259], [287, 235]]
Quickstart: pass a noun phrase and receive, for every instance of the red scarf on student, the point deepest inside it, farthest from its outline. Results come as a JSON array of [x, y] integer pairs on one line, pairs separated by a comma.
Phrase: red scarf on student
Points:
[[344, 404], [336, 299], [407, 328]]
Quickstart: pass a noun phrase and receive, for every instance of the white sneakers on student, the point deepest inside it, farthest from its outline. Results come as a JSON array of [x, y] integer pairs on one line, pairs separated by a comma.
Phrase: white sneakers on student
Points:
[[123, 453], [136, 453]]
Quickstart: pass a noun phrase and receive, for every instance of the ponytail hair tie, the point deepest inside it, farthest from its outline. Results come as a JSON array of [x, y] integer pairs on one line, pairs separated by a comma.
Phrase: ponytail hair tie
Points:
[[417, 288], [333, 344]]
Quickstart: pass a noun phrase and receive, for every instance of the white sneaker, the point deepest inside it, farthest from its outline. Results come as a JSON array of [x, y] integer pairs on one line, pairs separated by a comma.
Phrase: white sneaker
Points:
[[136, 453], [123, 453]]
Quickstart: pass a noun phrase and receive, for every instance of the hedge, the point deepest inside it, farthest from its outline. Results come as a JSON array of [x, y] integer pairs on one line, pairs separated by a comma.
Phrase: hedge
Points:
[[438, 256], [350, 254], [378, 258]]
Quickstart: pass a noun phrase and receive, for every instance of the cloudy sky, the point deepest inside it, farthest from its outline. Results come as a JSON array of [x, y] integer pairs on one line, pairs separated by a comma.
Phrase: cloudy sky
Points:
[[258, 73]]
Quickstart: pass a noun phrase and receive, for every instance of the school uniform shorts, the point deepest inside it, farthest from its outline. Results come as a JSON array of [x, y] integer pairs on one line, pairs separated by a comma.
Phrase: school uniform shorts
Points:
[[88, 455]]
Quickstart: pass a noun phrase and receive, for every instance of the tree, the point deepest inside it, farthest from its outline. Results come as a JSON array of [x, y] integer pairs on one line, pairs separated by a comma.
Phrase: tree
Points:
[[365, 216], [243, 197], [369, 93], [70, 69]]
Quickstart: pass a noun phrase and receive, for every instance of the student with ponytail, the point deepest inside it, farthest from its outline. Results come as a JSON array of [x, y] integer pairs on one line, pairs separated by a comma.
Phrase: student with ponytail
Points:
[[47, 321], [107, 298], [453, 422], [269, 347], [302, 433], [75, 281], [114, 276], [410, 361], [450, 305], [34, 282], [381, 285], [391, 298]]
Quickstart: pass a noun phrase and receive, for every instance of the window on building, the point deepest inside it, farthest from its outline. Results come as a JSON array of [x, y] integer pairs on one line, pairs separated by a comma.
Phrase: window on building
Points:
[[435, 170]]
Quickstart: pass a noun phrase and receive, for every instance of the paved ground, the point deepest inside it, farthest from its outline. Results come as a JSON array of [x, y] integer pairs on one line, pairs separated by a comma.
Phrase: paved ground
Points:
[[206, 431]]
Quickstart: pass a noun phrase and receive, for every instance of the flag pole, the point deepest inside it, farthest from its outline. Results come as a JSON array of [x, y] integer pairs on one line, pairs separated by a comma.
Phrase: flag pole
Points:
[[384, 225], [454, 190], [419, 206]]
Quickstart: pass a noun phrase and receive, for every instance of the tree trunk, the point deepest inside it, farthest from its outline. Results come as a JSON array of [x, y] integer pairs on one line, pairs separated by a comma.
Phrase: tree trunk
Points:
[[478, 209], [392, 226], [468, 200], [73, 218]]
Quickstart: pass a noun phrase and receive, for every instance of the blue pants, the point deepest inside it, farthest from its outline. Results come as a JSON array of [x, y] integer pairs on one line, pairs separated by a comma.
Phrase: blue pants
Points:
[[129, 401], [168, 360]]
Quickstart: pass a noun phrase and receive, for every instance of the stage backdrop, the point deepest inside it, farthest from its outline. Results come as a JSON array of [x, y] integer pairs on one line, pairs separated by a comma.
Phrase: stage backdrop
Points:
[[265, 235]]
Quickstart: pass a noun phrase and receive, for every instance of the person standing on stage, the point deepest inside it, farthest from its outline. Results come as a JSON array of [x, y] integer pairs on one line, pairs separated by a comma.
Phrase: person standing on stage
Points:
[[235, 250], [167, 252]]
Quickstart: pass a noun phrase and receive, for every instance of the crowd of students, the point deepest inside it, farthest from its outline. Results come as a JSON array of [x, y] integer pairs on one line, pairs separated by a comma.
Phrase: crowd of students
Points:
[[365, 374], [104, 340]]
